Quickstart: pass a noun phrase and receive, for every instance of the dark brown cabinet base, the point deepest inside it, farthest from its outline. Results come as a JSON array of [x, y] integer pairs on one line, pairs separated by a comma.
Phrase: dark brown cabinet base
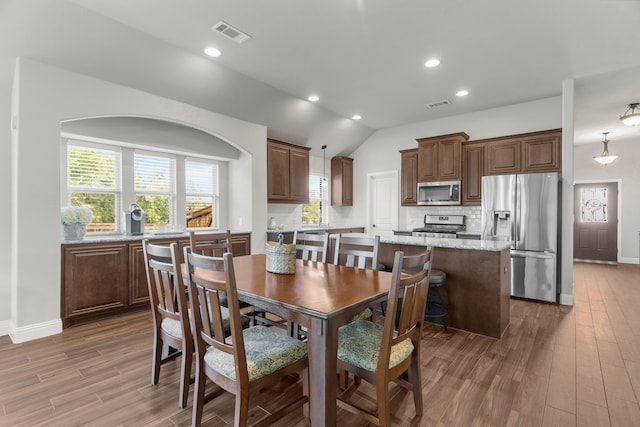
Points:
[[107, 278]]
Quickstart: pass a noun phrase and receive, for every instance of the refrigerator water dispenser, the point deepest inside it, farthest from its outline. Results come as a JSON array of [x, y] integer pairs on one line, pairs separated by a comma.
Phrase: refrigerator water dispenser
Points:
[[502, 225]]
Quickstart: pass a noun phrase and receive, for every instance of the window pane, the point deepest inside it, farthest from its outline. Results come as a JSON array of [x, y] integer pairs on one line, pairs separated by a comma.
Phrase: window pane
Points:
[[311, 213], [201, 182], [314, 211], [199, 177], [93, 168], [153, 174], [93, 181], [157, 210], [315, 187], [199, 212], [103, 207]]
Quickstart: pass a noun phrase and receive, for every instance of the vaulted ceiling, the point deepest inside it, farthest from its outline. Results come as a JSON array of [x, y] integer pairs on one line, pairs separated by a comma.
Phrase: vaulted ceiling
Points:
[[359, 56]]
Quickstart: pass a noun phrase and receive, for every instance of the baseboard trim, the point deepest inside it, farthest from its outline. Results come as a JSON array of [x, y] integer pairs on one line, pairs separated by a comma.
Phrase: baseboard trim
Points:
[[33, 332], [4, 327], [566, 299], [628, 260]]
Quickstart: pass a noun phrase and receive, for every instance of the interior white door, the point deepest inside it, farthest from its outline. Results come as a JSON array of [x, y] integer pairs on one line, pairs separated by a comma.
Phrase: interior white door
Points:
[[382, 202]]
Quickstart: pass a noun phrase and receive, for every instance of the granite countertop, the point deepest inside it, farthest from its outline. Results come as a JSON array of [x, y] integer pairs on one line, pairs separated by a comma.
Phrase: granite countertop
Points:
[[437, 242], [106, 238], [311, 229]]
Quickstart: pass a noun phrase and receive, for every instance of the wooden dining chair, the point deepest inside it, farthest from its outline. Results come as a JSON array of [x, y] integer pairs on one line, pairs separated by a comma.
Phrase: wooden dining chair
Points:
[[249, 359], [210, 243], [217, 244], [360, 252], [171, 326], [309, 247], [381, 354]]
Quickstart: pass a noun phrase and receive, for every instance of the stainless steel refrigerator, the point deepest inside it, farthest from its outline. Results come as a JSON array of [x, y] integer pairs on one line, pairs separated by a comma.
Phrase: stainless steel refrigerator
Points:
[[525, 210]]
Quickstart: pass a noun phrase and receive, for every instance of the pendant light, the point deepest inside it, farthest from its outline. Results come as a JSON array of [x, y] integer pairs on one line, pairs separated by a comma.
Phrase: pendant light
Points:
[[605, 158], [631, 118], [324, 167]]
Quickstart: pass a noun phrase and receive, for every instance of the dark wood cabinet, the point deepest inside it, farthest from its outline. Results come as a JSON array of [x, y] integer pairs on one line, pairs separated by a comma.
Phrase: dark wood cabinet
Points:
[[440, 157], [106, 278], [472, 172], [341, 181], [524, 153], [409, 177], [287, 172], [503, 157], [95, 280], [542, 152]]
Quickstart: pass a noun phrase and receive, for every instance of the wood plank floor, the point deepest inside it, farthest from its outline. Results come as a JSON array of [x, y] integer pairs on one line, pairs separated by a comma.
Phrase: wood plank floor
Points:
[[556, 365]]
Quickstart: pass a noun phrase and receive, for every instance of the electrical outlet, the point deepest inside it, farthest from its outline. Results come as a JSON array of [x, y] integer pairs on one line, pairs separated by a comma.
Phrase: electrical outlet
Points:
[[239, 220]]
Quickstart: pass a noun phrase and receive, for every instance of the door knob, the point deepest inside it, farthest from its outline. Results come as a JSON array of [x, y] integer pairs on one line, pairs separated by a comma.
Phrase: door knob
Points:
[[373, 225]]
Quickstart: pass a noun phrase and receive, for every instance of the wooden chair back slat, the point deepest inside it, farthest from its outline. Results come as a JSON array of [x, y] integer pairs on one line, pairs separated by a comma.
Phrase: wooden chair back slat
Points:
[[207, 310], [168, 301], [214, 244], [311, 247], [410, 284], [360, 252]]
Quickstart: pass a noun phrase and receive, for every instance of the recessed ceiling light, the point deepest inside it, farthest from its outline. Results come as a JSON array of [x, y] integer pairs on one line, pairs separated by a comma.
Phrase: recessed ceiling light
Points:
[[212, 51], [356, 117], [313, 98], [433, 62], [462, 93]]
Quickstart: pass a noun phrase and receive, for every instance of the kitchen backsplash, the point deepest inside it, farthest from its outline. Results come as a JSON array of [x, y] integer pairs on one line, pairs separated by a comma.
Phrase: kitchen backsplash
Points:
[[414, 217], [290, 216]]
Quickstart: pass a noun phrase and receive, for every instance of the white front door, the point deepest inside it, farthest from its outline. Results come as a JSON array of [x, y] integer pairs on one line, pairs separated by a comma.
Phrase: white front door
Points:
[[382, 202]]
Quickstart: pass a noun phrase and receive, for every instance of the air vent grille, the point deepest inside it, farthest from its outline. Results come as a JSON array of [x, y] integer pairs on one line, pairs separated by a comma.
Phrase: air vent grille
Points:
[[231, 32], [439, 103]]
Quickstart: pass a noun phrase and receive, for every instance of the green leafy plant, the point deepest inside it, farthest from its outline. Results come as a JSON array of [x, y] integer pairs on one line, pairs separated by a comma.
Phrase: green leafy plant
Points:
[[75, 215]]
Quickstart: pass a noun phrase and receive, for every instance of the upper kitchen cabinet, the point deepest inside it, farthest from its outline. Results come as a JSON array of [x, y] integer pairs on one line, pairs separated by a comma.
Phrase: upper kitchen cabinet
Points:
[[542, 151], [409, 177], [287, 172], [472, 171], [524, 153], [341, 181], [440, 157]]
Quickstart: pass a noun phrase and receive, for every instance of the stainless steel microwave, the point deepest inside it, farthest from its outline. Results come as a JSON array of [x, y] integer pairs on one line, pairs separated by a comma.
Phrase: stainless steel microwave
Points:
[[439, 193]]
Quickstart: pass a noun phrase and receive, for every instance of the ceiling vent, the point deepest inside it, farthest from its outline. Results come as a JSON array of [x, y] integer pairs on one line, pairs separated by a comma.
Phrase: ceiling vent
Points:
[[231, 32], [439, 103]]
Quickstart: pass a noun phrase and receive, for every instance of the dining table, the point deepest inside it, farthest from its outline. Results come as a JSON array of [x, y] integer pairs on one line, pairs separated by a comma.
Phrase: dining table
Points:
[[320, 297]]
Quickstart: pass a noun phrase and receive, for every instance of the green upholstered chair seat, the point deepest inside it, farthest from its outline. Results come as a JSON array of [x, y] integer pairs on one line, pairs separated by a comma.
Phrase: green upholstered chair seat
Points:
[[359, 345], [172, 326], [266, 351], [363, 315]]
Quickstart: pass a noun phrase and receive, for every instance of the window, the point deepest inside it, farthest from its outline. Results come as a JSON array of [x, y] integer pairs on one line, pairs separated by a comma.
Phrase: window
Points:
[[174, 191], [314, 212], [201, 189], [93, 181], [155, 184]]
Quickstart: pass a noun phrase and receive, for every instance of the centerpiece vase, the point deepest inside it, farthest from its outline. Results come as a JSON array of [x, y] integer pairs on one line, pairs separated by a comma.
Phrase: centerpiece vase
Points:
[[74, 231]]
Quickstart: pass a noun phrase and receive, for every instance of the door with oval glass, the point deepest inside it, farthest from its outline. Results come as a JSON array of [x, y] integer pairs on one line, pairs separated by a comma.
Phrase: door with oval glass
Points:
[[595, 222]]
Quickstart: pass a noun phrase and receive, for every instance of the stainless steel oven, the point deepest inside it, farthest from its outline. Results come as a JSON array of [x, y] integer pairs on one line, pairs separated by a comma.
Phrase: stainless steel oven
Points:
[[443, 226]]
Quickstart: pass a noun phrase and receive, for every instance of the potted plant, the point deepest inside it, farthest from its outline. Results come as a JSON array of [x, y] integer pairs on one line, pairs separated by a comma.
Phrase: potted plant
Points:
[[74, 221]]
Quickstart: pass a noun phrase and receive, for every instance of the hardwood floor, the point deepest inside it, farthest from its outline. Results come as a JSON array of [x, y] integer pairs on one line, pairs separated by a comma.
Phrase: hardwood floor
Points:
[[556, 365]]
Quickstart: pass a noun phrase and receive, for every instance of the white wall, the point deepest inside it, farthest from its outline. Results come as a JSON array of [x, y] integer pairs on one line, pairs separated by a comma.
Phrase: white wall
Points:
[[43, 97], [627, 170]]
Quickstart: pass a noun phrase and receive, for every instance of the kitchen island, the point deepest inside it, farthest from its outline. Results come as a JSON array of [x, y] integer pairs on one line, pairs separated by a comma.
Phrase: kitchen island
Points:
[[478, 286]]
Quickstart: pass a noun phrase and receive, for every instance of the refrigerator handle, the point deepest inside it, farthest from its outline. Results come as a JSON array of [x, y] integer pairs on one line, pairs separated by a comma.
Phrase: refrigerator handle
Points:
[[538, 255]]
